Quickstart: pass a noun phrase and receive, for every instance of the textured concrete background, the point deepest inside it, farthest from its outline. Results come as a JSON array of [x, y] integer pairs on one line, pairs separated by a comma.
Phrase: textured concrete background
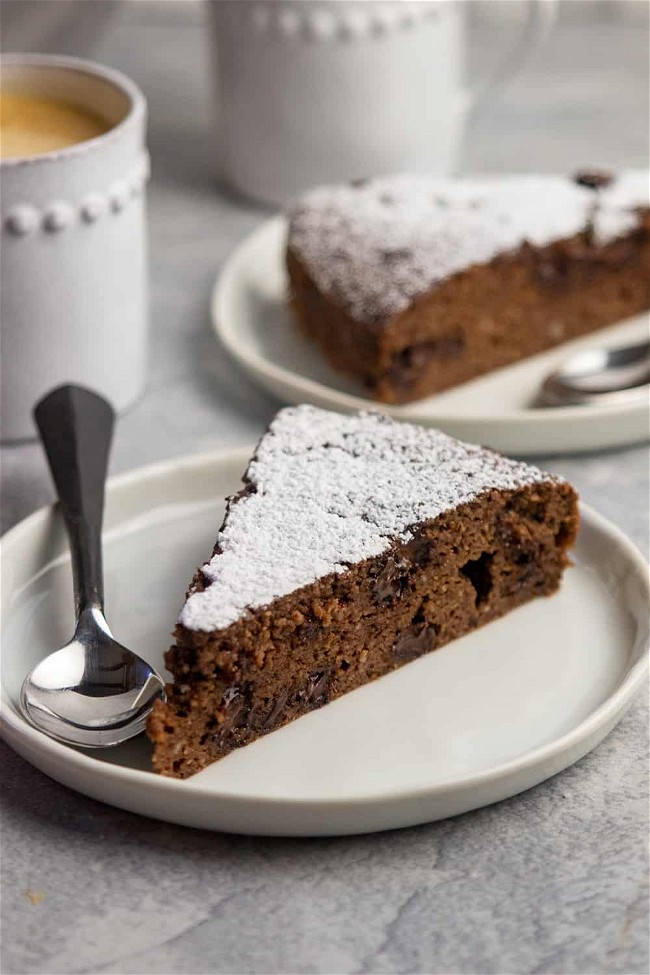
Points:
[[553, 881]]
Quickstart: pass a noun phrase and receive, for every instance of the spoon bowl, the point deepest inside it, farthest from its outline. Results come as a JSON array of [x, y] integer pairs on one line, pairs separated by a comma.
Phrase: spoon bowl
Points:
[[93, 692]]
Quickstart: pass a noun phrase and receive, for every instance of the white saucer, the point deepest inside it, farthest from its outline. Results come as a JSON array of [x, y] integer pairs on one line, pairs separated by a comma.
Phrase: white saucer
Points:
[[479, 720], [250, 317]]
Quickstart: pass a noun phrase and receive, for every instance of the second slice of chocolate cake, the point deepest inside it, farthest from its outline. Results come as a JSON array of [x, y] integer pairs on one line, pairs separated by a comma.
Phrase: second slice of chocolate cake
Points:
[[414, 284], [356, 545]]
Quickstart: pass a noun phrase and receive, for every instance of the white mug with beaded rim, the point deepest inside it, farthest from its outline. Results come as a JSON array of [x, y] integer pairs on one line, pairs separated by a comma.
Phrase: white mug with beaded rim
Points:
[[73, 260], [322, 91]]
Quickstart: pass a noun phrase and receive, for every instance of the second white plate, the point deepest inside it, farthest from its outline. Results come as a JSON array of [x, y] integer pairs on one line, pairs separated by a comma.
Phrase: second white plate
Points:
[[250, 317], [485, 717]]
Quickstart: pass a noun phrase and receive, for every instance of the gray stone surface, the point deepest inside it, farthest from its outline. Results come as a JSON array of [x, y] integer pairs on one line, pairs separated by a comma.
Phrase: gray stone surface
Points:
[[552, 881]]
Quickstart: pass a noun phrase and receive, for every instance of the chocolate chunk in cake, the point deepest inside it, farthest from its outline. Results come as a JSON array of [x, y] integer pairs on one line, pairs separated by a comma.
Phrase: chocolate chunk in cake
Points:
[[357, 545], [414, 284]]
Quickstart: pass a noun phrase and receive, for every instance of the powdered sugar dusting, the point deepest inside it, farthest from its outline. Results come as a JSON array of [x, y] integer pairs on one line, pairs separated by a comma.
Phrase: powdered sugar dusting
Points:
[[376, 245], [331, 490]]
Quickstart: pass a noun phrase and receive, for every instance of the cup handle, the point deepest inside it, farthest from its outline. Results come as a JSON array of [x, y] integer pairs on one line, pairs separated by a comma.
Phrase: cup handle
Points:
[[538, 24]]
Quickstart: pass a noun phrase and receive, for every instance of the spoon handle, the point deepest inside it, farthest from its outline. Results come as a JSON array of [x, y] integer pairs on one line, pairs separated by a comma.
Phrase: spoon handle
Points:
[[76, 427]]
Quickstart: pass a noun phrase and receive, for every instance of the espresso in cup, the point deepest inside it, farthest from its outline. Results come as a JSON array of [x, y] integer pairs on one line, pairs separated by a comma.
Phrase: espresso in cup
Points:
[[31, 125]]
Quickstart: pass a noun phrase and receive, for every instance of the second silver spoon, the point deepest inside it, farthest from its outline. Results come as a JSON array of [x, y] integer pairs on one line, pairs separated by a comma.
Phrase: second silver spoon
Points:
[[600, 376]]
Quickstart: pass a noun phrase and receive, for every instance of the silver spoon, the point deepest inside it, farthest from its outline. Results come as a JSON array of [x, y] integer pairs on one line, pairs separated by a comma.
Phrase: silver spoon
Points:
[[93, 692], [600, 376]]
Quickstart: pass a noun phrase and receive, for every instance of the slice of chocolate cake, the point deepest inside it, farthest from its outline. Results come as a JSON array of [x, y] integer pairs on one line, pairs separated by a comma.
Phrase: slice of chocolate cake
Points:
[[356, 545], [413, 285]]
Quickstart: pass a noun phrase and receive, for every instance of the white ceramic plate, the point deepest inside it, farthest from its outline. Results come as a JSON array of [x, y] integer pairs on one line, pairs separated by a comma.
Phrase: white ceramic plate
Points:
[[250, 317], [479, 720]]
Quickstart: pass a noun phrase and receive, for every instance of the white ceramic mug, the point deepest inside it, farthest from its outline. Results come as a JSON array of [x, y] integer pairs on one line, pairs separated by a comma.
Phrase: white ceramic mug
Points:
[[315, 91], [73, 259]]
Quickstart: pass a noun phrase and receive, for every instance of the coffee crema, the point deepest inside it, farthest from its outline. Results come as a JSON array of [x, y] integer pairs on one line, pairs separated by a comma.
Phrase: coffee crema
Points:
[[31, 125]]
